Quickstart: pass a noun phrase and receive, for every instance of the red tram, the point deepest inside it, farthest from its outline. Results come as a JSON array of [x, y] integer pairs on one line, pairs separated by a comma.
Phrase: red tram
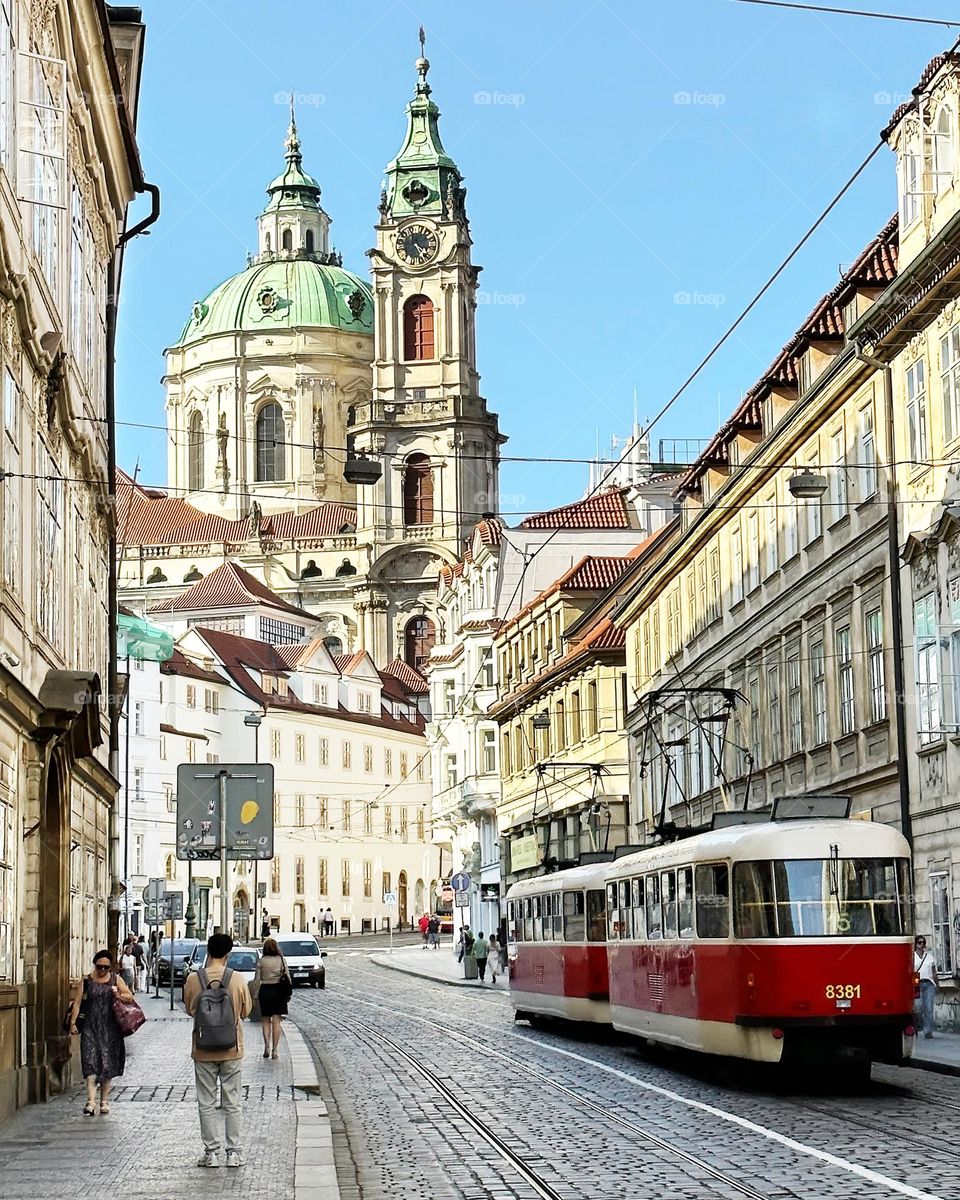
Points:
[[556, 940], [780, 940]]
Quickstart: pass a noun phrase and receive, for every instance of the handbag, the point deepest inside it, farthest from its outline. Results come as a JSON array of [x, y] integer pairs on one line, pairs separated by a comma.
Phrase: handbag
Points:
[[285, 983], [130, 1016]]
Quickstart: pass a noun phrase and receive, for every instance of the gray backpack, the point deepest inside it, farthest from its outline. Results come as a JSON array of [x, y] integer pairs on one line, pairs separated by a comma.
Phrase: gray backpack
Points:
[[214, 1021]]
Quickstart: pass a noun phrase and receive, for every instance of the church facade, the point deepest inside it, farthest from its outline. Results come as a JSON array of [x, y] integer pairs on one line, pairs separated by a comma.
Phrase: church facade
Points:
[[296, 362]]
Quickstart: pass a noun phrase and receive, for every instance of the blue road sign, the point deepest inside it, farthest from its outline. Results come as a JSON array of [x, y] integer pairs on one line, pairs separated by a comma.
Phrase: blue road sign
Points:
[[460, 882]]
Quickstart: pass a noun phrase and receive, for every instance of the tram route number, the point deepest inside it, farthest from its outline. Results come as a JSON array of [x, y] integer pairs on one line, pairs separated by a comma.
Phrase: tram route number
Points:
[[842, 991]]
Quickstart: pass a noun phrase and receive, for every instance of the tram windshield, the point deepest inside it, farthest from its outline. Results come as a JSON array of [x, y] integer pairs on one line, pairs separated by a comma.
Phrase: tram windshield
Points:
[[828, 897]]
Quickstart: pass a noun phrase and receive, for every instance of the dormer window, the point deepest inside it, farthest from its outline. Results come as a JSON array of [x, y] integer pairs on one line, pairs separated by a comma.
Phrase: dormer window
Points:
[[911, 177]]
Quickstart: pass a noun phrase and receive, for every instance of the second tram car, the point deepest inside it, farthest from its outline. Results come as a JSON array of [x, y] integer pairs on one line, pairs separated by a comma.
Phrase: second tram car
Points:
[[777, 940], [556, 942]]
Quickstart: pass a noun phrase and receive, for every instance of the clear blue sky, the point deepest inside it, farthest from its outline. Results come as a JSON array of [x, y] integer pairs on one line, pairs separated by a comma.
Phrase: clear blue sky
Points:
[[616, 155]]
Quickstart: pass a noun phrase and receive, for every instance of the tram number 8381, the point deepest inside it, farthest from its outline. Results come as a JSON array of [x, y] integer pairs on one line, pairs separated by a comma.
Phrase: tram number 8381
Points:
[[842, 991]]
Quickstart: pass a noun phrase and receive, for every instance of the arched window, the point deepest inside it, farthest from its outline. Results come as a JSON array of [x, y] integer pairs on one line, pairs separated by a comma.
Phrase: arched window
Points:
[[419, 638], [267, 242], [333, 644], [943, 151], [418, 491], [418, 327], [287, 241], [269, 443], [308, 241], [195, 453], [171, 867]]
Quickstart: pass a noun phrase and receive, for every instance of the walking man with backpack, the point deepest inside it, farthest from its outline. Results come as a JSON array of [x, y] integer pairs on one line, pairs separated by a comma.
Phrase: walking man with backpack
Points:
[[218, 1000]]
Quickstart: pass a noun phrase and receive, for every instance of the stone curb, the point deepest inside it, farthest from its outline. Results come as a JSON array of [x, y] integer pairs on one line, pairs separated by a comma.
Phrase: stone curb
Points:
[[314, 1172], [928, 1064], [382, 960]]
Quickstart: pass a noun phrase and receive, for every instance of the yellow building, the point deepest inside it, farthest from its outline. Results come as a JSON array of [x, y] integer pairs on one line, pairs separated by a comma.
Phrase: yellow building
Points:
[[561, 705]]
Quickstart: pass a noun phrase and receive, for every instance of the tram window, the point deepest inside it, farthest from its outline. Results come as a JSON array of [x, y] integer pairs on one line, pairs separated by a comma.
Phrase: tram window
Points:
[[652, 892], [639, 922], [558, 917], [668, 903], [514, 928], [548, 910], [537, 921], [574, 917], [596, 916], [685, 902], [713, 900], [626, 924], [528, 919], [753, 900], [613, 913]]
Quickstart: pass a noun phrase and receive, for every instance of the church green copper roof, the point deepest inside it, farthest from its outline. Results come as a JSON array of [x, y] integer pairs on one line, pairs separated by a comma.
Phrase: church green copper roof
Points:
[[294, 188], [284, 294]]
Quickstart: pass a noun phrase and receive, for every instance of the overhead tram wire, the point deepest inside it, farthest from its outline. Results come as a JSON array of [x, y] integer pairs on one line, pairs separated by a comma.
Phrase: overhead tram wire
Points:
[[853, 12]]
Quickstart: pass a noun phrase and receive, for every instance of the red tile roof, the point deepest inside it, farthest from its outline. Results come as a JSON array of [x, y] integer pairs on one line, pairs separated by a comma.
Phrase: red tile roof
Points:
[[179, 664], [229, 586], [490, 531], [606, 510], [593, 573], [409, 677], [929, 71], [147, 517]]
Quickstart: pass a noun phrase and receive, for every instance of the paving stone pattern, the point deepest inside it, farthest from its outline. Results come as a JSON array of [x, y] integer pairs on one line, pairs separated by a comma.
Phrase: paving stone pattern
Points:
[[146, 1149], [395, 1136]]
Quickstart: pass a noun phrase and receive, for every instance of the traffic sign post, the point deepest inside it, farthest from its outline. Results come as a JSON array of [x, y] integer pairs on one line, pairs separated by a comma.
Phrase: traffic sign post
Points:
[[462, 899], [390, 899], [460, 882]]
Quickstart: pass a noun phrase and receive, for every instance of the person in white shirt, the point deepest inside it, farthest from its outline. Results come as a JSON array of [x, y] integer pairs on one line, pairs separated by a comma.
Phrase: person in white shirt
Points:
[[926, 968]]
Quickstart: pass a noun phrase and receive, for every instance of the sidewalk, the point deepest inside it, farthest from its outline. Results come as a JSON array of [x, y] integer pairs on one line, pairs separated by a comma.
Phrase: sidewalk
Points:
[[941, 1053], [148, 1145], [439, 965]]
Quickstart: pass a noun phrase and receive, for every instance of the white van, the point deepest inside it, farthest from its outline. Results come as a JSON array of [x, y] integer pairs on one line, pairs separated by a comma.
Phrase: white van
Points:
[[304, 958]]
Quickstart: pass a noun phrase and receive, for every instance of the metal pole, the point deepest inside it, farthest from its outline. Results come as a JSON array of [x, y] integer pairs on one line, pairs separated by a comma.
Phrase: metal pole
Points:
[[172, 928], [158, 931], [126, 812], [224, 898], [255, 907]]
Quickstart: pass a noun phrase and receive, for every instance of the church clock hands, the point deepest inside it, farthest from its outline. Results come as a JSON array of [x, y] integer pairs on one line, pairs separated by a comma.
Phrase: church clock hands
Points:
[[417, 244]]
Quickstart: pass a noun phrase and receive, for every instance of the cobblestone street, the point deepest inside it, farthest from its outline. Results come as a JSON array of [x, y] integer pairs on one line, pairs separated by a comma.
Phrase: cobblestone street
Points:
[[396, 1136]]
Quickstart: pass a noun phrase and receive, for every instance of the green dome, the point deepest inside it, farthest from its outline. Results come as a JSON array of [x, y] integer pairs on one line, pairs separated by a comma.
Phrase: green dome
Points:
[[289, 293]]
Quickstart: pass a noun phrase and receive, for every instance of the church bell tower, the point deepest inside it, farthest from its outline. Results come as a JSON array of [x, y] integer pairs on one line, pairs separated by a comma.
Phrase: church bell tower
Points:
[[425, 419]]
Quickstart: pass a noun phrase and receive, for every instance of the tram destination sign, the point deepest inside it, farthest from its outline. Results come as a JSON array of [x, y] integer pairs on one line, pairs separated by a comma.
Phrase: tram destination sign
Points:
[[225, 805]]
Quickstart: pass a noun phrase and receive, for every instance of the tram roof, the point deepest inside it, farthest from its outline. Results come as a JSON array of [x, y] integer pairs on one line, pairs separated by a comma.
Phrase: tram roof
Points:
[[574, 879], [768, 840]]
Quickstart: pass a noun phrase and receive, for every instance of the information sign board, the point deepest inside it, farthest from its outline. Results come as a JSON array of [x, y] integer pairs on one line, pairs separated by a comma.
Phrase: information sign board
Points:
[[248, 821], [463, 900]]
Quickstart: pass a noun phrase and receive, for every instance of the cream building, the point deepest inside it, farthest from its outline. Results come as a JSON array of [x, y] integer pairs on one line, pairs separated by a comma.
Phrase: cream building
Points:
[[293, 364], [351, 784], [69, 72]]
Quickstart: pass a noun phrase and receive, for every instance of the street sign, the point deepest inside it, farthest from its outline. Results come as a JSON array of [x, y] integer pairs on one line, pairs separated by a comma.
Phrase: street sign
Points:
[[249, 810], [153, 913], [389, 897], [460, 882], [445, 895], [463, 900], [154, 890], [261, 891], [489, 893], [173, 906]]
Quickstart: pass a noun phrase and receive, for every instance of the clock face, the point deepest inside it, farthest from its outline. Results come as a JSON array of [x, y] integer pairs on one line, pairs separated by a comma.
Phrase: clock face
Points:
[[417, 244]]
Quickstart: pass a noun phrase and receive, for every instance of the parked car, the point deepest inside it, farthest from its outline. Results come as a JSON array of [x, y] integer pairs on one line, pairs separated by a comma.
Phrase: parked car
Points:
[[183, 950], [304, 958]]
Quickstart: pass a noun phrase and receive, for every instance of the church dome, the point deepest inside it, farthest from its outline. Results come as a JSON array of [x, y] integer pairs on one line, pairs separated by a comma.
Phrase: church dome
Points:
[[284, 294]]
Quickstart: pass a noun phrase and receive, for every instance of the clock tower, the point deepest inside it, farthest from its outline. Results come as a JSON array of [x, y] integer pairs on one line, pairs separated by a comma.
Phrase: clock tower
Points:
[[425, 419]]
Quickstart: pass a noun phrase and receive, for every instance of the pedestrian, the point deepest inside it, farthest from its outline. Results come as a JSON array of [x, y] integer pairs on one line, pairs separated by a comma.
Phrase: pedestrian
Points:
[[481, 950], [424, 925], [139, 951], [265, 924], [433, 932], [494, 959], [328, 925], [926, 968], [128, 965], [218, 1000], [466, 942], [273, 988], [102, 1052]]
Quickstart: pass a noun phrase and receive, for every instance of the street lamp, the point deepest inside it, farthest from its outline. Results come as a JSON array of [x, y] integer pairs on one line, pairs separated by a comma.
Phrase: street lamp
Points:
[[362, 470], [253, 720], [541, 720], [807, 484]]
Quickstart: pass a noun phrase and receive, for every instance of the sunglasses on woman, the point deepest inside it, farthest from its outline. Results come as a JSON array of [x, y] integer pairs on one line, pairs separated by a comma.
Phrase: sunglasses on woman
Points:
[[102, 966]]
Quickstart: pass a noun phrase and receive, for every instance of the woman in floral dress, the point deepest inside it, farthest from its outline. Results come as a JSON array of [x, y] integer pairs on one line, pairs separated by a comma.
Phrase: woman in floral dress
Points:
[[102, 1052]]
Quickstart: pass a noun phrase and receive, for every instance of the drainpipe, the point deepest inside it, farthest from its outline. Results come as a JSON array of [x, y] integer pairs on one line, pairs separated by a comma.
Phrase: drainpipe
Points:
[[110, 405], [896, 600]]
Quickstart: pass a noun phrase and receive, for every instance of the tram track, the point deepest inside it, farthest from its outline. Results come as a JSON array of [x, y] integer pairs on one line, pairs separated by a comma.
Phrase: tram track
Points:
[[715, 1173], [730, 1181]]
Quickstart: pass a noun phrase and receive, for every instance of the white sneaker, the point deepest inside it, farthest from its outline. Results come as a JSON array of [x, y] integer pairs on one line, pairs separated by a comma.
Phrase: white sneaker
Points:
[[209, 1158], [234, 1158]]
